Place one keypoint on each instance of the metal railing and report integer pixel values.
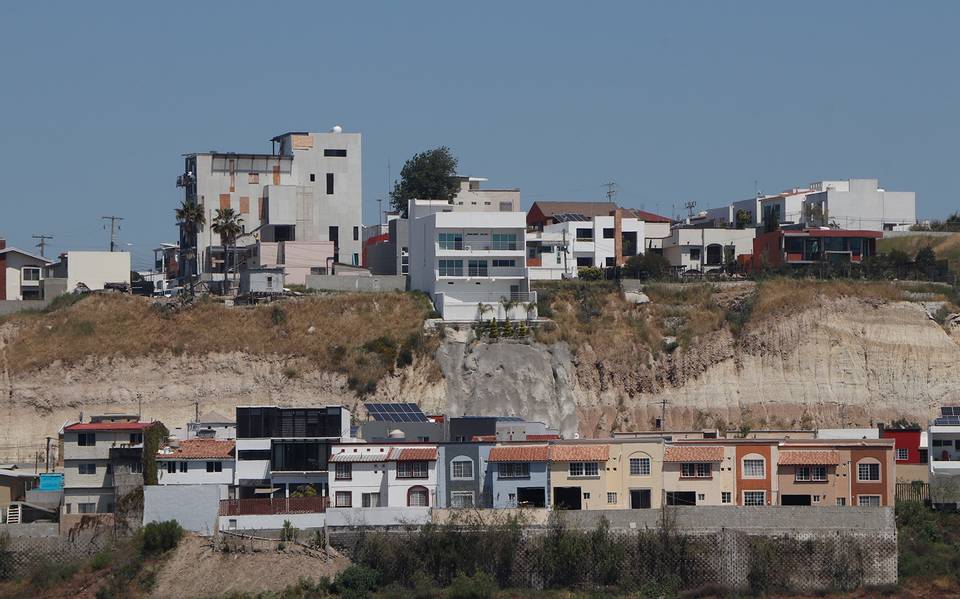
(272, 506)
(474, 297)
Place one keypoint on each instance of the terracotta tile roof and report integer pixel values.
(809, 458)
(549, 437)
(692, 453)
(643, 215)
(579, 453)
(587, 209)
(107, 426)
(519, 453)
(198, 449)
(414, 454)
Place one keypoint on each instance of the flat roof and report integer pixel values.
(107, 426)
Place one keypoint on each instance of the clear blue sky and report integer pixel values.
(673, 101)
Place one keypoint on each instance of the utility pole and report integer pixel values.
(43, 243)
(611, 190)
(663, 413)
(114, 227)
(379, 212)
(690, 206)
(139, 407)
(48, 453)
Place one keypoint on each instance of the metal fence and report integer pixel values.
(273, 506)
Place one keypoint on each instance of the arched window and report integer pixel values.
(418, 497)
(461, 468)
(754, 466)
(714, 254)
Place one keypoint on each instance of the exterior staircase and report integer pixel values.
(14, 513)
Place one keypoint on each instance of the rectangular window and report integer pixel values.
(253, 454)
(313, 177)
(584, 261)
(331, 153)
(370, 499)
(87, 468)
(343, 499)
(818, 473)
(903, 455)
(586, 495)
(136, 438)
(86, 439)
(30, 274)
(450, 241)
(462, 469)
(356, 259)
(816, 499)
(608, 262)
(450, 268)
(461, 499)
(868, 472)
(253, 178)
(477, 268)
(639, 466)
(86, 508)
(514, 470)
(695, 470)
(214, 466)
(503, 241)
(506, 206)
(412, 470)
(183, 466)
(584, 234)
(329, 184)
(171, 467)
(868, 500)
(841, 501)
(753, 469)
(802, 474)
(504, 263)
(725, 497)
(584, 469)
(356, 233)
(695, 254)
(344, 471)
(754, 498)
(923, 456)
(608, 233)
(611, 498)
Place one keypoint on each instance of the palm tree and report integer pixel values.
(190, 218)
(226, 224)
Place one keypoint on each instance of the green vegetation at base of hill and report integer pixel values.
(928, 543)
(364, 336)
(946, 247)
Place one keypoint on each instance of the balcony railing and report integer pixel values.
(475, 297)
(273, 506)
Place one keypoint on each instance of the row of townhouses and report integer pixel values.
(274, 461)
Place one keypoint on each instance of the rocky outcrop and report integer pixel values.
(843, 361)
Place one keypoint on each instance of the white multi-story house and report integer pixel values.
(282, 451)
(307, 189)
(102, 461)
(471, 263)
(393, 475)
(706, 249)
(197, 462)
(559, 250)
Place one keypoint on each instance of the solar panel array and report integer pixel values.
(949, 416)
(395, 412)
(564, 217)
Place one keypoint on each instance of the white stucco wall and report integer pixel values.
(15, 282)
(94, 269)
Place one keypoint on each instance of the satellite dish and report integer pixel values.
(337, 129)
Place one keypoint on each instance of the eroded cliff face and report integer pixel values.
(843, 361)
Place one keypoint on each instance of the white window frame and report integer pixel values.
(419, 489)
(749, 466)
(584, 469)
(841, 501)
(726, 497)
(870, 501)
(753, 494)
(339, 496)
(26, 269)
(455, 495)
(513, 470)
(696, 470)
(903, 457)
(413, 469)
(343, 471)
(366, 499)
(869, 466)
(460, 461)
(82, 467)
(642, 466)
(611, 498)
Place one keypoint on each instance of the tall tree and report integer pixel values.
(429, 175)
(226, 224)
(190, 218)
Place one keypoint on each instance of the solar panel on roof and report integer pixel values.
(395, 412)
(950, 410)
(564, 217)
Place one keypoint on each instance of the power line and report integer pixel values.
(611, 190)
(114, 227)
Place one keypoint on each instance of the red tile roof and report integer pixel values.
(692, 453)
(579, 453)
(414, 454)
(519, 453)
(198, 449)
(809, 458)
(550, 437)
(649, 217)
(107, 426)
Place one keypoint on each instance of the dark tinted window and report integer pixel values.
(253, 454)
(335, 153)
(254, 423)
(607, 233)
(299, 456)
(329, 183)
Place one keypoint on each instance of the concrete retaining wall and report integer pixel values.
(270, 525)
(12, 306)
(378, 516)
(195, 507)
(376, 283)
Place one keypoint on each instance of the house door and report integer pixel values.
(795, 500)
(566, 498)
(639, 499)
(514, 292)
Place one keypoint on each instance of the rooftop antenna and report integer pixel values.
(611, 190)
(756, 189)
(43, 243)
(690, 206)
(379, 212)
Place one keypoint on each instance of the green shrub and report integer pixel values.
(101, 560)
(159, 537)
(278, 316)
(479, 586)
(52, 573)
(590, 273)
(356, 582)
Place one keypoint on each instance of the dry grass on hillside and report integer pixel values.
(363, 335)
(775, 297)
(947, 247)
(687, 311)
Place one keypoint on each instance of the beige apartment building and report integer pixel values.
(606, 475)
